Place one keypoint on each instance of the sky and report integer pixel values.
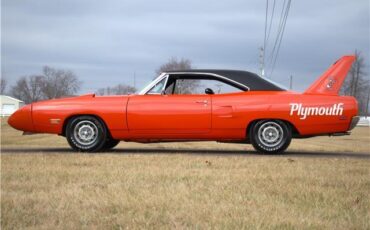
(108, 42)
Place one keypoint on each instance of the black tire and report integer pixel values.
(86, 134)
(270, 136)
(110, 144)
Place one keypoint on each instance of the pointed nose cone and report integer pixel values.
(22, 119)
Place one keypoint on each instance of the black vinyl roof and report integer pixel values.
(251, 80)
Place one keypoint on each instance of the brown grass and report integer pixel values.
(117, 191)
(357, 142)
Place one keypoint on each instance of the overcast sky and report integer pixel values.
(106, 42)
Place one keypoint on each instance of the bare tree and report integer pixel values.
(104, 91)
(174, 64)
(124, 89)
(59, 83)
(3, 85)
(29, 89)
(357, 83)
(54, 83)
(119, 89)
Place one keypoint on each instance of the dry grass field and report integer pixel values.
(188, 185)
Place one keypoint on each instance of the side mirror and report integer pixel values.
(209, 91)
(163, 92)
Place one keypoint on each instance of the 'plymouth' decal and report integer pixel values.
(304, 112)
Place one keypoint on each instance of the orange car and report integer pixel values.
(199, 105)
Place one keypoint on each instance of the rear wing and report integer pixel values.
(331, 81)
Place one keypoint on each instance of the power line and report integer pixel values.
(281, 35)
(278, 31)
(135, 79)
(271, 19)
(262, 55)
(281, 38)
(262, 61)
(267, 9)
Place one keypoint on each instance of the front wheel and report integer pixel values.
(270, 136)
(86, 134)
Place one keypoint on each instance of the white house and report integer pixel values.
(9, 105)
(364, 121)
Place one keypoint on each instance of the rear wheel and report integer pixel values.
(86, 134)
(270, 136)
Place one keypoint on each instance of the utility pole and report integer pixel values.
(262, 61)
(367, 104)
(135, 80)
(291, 82)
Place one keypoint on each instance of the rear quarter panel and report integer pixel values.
(316, 124)
(237, 111)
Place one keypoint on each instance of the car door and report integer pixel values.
(169, 114)
(163, 110)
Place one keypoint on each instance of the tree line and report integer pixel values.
(51, 83)
(56, 83)
(357, 84)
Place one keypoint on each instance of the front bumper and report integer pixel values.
(22, 119)
(354, 122)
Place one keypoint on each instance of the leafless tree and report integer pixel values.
(357, 83)
(3, 85)
(174, 64)
(120, 89)
(59, 83)
(53, 83)
(29, 89)
(186, 87)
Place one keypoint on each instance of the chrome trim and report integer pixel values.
(202, 102)
(163, 87)
(354, 122)
(28, 133)
(214, 75)
(151, 84)
(166, 74)
(85, 132)
(54, 121)
(270, 134)
(165, 84)
(340, 134)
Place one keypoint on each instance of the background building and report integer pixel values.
(8, 105)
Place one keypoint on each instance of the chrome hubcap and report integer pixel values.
(85, 132)
(270, 134)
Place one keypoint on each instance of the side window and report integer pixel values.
(198, 86)
(157, 89)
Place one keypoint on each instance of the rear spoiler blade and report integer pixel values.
(331, 81)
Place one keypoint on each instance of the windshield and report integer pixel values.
(158, 87)
(151, 84)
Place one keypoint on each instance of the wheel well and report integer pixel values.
(294, 129)
(79, 115)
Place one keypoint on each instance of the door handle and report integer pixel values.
(205, 102)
